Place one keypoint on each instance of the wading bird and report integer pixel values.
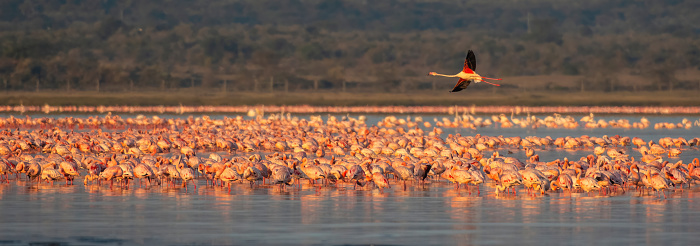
(467, 75)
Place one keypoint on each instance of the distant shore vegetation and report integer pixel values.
(355, 46)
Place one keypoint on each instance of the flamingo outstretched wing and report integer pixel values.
(469, 62)
(461, 84)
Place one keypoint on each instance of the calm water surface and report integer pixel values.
(435, 215)
(438, 214)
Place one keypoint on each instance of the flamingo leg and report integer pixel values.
(490, 82)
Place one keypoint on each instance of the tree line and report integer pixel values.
(295, 45)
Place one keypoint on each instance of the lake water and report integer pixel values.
(437, 214)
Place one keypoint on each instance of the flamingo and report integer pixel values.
(379, 180)
(565, 182)
(422, 172)
(404, 173)
(94, 169)
(281, 175)
(673, 174)
(336, 173)
(478, 177)
(657, 182)
(586, 183)
(252, 174)
(228, 175)
(187, 174)
(461, 176)
(68, 170)
(531, 178)
(5, 169)
(34, 170)
(111, 173)
(634, 177)
(170, 172)
(127, 173)
(693, 171)
(467, 75)
(21, 167)
(313, 172)
(50, 174)
(355, 173)
(142, 171)
(508, 179)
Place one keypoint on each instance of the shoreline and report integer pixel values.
(182, 101)
(253, 110)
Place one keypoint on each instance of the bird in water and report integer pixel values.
(467, 75)
(422, 173)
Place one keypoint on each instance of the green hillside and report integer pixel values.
(357, 46)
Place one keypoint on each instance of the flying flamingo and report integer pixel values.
(467, 75)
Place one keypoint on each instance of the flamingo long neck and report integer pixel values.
(445, 75)
(578, 175)
(691, 166)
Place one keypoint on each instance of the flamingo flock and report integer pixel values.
(282, 152)
(556, 121)
(308, 109)
(469, 121)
